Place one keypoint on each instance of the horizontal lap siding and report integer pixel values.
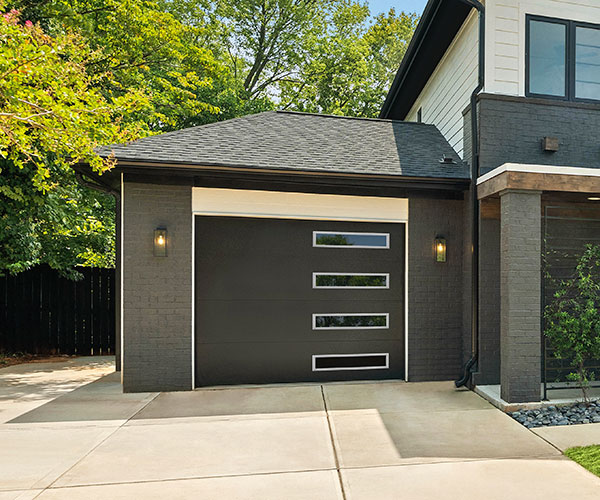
(505, 27)
(449, 89)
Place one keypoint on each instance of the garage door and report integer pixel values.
(281, 300)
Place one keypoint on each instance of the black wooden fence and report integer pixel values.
(44, 313)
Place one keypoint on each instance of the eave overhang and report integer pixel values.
(277, 179)
(440, 23)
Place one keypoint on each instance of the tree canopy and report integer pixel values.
(77, 74)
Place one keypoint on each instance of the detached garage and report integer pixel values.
(289, 247)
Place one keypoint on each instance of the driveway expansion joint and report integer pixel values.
(335, 454)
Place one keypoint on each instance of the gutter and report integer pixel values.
(471, 364)
(98, 186)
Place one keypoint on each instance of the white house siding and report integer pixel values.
(505, 32)
(448, 91)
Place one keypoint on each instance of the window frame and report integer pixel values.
(329, 328)
(323, 273)
(570, 57)
(384, 355)
(353, 233)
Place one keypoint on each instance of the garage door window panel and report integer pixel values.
(352, 321)
(333, 239)
(354, 280)
(339, 362)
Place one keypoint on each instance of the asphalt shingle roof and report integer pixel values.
(300, 141)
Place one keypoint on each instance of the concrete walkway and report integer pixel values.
(335, 441)
(569, 436)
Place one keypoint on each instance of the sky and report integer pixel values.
(377, 6)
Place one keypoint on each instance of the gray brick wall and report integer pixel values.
(435, 299)
(520, 282)
(157, 291)
(512, 130)
(489, 303)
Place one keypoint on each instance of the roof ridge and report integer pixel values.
(324, 115)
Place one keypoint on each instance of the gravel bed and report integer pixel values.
(578, 413)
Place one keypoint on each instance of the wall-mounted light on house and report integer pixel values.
(550, 144)
(594, 198)
(440, 249)
(160, 242)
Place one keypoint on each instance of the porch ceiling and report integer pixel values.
(538, 178)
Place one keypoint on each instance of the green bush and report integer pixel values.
(573, 318)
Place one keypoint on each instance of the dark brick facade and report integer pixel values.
(520, 288)
(512, 129)
(157, 291)
(489, 302)
(435, 298)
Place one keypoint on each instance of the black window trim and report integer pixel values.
(570, 57)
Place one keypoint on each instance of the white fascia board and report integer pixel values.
(539, 169)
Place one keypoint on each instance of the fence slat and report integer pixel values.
(42, 312)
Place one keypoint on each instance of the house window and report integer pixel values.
(563, 59)
(587, 62)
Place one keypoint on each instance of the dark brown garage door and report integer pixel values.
(293, 300)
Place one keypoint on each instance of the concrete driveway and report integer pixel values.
(380, 441)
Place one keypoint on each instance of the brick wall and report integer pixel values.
(520, 285)
(157, 291)
(489, 303)
(435, 299)
(512, 130)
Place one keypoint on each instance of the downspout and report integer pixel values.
(471, 364)
(117, 196)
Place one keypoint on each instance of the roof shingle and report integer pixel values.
(279, 140)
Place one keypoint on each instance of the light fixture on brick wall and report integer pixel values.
(440, 249)
(160, 242)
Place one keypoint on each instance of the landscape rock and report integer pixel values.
(574, 414)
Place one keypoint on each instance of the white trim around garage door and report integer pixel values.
(280, 205)
(302, 206)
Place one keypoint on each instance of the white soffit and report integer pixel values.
(281, 205)
(539, 169)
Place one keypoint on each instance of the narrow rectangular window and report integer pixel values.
(587, 63)
(333, 239)
(339, 362)
(547, 58)
(351, 321)
(351, 280)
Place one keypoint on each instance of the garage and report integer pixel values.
(289, 247)
(287, 300)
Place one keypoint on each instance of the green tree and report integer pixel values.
(351, 64)
(573, 317)
(141, 47)
(50, 117)
(83, 73)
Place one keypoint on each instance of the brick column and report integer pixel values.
(157, 291)
(520, 290)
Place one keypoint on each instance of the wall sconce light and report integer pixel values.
(160, 242)
(440, 249)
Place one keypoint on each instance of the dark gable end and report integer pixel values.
(290, 141)
(440, 23)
